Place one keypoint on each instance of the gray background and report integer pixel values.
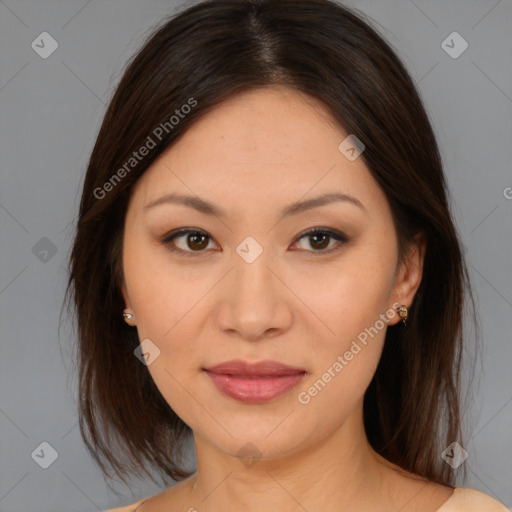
(51, 110)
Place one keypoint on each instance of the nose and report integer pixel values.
(254, 301)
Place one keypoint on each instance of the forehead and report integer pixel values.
(269, 145)
(271, 124)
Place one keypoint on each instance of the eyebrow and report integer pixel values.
(210, 209)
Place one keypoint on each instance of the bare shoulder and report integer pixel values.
(168, 499)
(422, 495)
(471, 500)
(128, 508)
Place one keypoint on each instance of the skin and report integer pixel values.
(252, 156)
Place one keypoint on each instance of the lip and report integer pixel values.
(254, 383)
(259, 369)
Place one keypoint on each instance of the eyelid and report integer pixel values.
(338, 236)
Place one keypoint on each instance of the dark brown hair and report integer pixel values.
(202, 56)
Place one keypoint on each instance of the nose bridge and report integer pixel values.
(251, 306)
(253, 279)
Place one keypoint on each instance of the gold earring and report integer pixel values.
(403, 311)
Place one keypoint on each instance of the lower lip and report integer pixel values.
(254, 390)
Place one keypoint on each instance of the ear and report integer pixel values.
(408, 276)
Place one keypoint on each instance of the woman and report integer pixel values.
(265, 260)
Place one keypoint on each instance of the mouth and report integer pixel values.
(254, 383)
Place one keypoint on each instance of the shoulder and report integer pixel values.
(470, 500)
(160, 500)
(128, 508)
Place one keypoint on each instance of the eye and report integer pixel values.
(319, 239)
(195, 241)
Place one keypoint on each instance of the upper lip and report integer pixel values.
(261, 368)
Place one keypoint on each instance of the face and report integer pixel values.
(249, 283)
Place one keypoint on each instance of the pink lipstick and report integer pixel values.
(254, 383)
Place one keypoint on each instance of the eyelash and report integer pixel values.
(341, 238)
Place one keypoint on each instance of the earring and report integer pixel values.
(127, 315)
(403, 311)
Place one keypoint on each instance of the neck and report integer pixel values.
(338, 471)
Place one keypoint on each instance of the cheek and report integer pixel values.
(349, 339)
(164, 301)
(347, 353)
(350, 296)
(160, 296)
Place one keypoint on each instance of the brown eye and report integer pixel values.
(319, 239)
(192, 241)
(196, 241)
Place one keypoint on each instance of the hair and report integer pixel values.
(200, 57)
